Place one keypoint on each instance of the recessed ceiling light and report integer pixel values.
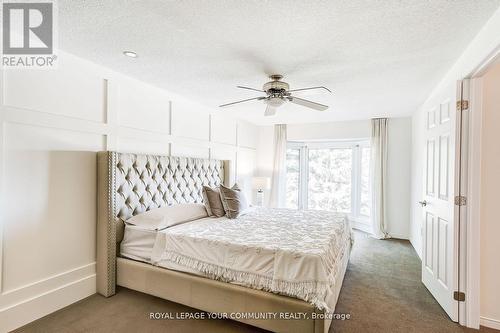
(130, 54)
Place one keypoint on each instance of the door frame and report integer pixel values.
(469, 258)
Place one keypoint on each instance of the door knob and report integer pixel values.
(423, 203)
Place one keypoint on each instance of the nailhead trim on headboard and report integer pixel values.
(111, 224)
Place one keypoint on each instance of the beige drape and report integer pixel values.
(379, 176)
(278, 188)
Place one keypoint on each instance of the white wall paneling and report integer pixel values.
(144, 146)
(45, 218)
(144, 107)
(51, 124)
(223, 152)
(178, 149)
(189, 122)
(2, 177)
(247, 135)
(245, 166)
(222, 129)
(112, 109)
(44, 214)
(64, 91)
(2, 202)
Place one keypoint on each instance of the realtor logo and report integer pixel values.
(27, 28)
(28, 34)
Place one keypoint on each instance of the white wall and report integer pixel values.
(51, 124)
(482, 47)
(417, 163)
(341, 130)
(398, 164)
(398, 183)
(490, 183)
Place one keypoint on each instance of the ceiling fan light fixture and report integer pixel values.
(275, 101)
(277, 93)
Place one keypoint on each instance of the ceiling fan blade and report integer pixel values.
(270, 111)
(308, 104)
(311, 88)
(245, 100)
(248, 88)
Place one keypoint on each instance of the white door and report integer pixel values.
(439, 259)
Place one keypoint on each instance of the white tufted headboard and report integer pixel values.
(129, 184)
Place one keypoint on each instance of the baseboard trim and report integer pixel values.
(491, 323)
(361, 226)
(399, 236)
(14, 295)
(412, 242)
(41, 305)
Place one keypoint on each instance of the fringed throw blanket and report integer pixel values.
(290, 252)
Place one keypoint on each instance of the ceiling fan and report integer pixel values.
(277, 93)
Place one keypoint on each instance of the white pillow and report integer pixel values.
(164, 217)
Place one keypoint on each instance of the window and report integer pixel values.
(331, 176)
(329, 179)
(292, 177)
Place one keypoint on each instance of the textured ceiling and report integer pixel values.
(380, 58)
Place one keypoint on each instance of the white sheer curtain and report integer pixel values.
(277, 198)
(379, 177)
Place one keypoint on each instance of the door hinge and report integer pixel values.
(462, 105)
(459, 296)
(460, 200)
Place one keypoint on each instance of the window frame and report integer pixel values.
(356, 171)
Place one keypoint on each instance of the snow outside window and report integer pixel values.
(332, 176)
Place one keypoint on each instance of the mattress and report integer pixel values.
(301, 254)
(138, 244)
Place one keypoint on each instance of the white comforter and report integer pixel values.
(295, 253)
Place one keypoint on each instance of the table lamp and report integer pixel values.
(261, 184)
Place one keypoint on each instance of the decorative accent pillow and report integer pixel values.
(234, 201)
(212, 201)
(164, 217)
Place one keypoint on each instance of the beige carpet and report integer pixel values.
(382, 292)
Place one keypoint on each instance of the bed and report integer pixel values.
(267, 261)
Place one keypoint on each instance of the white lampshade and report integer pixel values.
(261, 183)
